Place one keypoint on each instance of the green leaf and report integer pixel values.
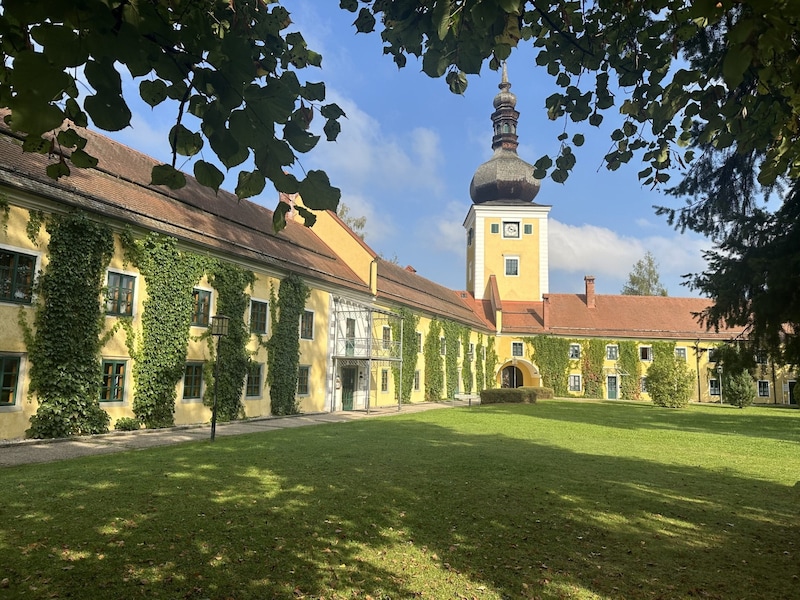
(578, 139)
(153, 92)
(37, 145)
(441, 17)
(365, 22)
(185, 142)
(109, 112)
(300, 139)
(83, 160)
(69, 138)
(251, 183)
(332, 130)
(167, 175)
(313, 92)
(208, 175)
(56, 170)
(331, 111)
(737, 60)
(279, 216)
(349, 5)
(434, 64)
(457, 80)
(309, 218)
(318, 193)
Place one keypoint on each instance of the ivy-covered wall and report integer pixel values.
(410, 350)
(452, 337)
(551, 355)
(434, 363)
(64, 345)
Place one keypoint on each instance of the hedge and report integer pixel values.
(526, 395)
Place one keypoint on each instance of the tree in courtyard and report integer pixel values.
(738, 389)
(644, 280)
(669, 382)
(357, 224)
(709, 86)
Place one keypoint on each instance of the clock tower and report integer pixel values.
(506, 230)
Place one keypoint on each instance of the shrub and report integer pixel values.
(739, 389)
(669, 382)
(127, 424)
(526, 395)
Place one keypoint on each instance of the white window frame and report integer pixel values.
(646, 350)
(37, 266)
(643, 384)
(313, 324)
(713, 387)
(608, 351)
(765, 384)
(681, 353)
(517, 346)
(571, 380)
(384, 381)
(574, 355)
(509, 260)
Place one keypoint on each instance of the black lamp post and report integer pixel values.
(219, 329)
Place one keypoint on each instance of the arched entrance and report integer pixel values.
(511, 377)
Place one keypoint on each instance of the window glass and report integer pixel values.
(516, 348)
(643, 384)
(259, 317)
(612, 352)
(253, 387)
(645, 353)
(528, 229)
(201, 307)
(387, 338)
(9, 377)
(574, 383)
(680, 353)
(113, 387)
(303, 373)
(119, 298)
(307, 325)
(16, 277)
(574, 351)
(384, 380)
(763, 389)
(495, 227)
(713, 387)
(192, 381)
(416, 381)
(512, 267)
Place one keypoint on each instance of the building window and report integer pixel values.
(574, 383)
(512, 266)
(471, 352)
(713, 387)
(307, 325)
(384, 380)
(119, 298)
(201, 307)
(516, 348)
(494, 227)
(763, 389)
(303, 373)
(712, 355)
(574, 351)
(643, 385)
(193, 381)
(387, 337)
(419, 342)
(9, 376)
(680, 353)
(612, 352)
(253, 387)
(761, 357)
(528, 229)
(470, 234)
(16, 277)
(646, 353)
(113, 387)
(511, 229)
(259, 317)
(442, 346)
(416, 381)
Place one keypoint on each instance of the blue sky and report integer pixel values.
(409, 147)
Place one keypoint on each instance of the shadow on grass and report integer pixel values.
(393, 508)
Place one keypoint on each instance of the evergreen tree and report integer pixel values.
(644, 280)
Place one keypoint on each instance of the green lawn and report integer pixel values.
(557, 500)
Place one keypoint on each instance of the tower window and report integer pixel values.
(512, 266)
(494, 228)
(469, 236)
(528, 229)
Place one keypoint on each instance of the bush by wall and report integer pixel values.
(434, 365)
(526, 395)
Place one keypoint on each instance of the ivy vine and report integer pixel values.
(5, 208)
(170, 276)
(452, 336)
(552, 357)
(480, 364)
(466, 363)
(410, 350)
(434, 367)
(631, 368)
(593, 355)
(491, 363)
(36, 219)
(64, 345)
(231, 282)
(283, 347)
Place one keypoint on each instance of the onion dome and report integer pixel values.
(505, 177)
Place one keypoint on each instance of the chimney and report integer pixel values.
(545, 311)
(589, 280)
(411, 269)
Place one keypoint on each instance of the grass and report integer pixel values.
(586, 500)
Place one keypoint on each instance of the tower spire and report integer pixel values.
(505, 116)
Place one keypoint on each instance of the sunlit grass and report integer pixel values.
(588, 500)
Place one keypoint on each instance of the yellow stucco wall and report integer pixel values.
(497, 248)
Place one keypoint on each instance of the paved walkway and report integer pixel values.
(22, 452)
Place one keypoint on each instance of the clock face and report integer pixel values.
(511, 229)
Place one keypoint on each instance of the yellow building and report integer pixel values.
(167, 262)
